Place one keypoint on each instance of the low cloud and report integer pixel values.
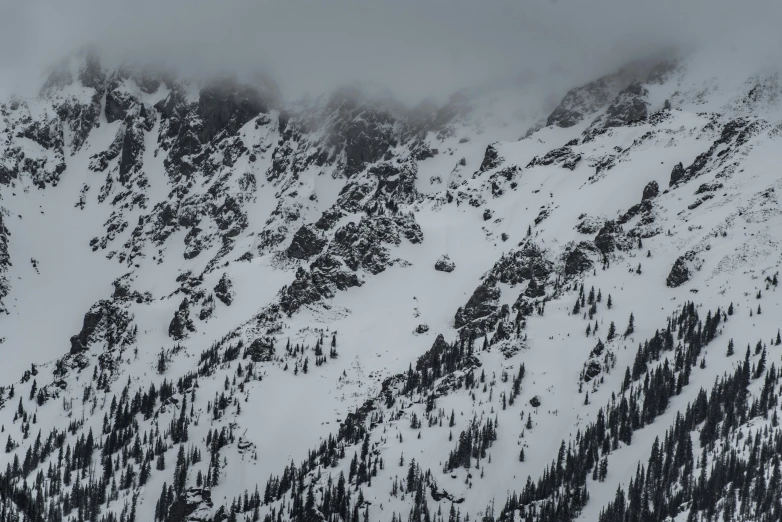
(418, 49)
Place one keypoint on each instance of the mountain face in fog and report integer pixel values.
(225, 300)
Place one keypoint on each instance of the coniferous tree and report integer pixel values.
(630, 325)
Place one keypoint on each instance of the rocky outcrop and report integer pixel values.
(528, 262)
(491, 159)
(579, 102)
(611, 237)
(651, 190)
(679, 274)
(260, 350)
(577, 261)
(194, 505)
(444, 264)
(482, 303)
(181, 325)
(224, 290)
(365, 245)
(734, 136)
(306, 243)
(628, 107)
(326, 275)
(677, 174)
(563, 156)
(5, 261)
(104, 321)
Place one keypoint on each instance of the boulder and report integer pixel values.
(444, 264)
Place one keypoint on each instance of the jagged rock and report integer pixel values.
(444, 264)
(679, 274)
(118, 100)
(5, 261)
(396, 181)
(611, 237)
(439, 346)
(363, 245)
(677, 174)
(709, 187)
(79, 341)
(422, 328)
(735, 134)
(438, 495)
(194, 504)
(589, 224)
(580, 101)
(563, 156)
(131, 153)
(482, 303)
(105, 320)
(491, 159)
(326, 275)
(181, 324)
(224, 290)
(260, 350)
(591, 371)
(629, 107)
(207, 308)
(577, 262)
(526, 263)
(535, 289)
(651, 190)
(306, 243)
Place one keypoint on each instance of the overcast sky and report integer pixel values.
(417, 48)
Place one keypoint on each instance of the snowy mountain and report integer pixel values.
(223, 304)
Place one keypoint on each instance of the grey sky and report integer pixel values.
(417, 48)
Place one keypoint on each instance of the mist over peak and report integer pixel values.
(417, 50)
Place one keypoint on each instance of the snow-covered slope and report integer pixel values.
(222, 304)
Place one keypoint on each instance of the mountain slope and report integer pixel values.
(345, 287)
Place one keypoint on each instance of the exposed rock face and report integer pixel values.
(577, 262)
(521, 265)
(482, 303)
(104, 321)
(194, 505)
(563, 156)
(444, 264)
(734, 136)
(680, 273)
(677, 174)
(224, 290)
(579, 102)
(491, 159)
(363, 245)
(611, 237)
(5, 262)
(118, 100)
(651, 190)
(181, 325)
(629, 106)
(261, 349)
(306, 243)
(535, 289)
(326, 275)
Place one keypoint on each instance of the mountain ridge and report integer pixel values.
(292, 251)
